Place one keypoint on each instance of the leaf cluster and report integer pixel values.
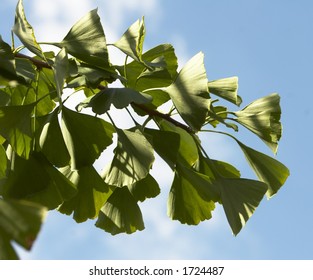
(48, 150)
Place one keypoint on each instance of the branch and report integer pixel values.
(153, 113)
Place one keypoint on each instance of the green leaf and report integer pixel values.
(268, 170)
(86, 41)
(188, 149)
(191, 198)
(132, 40)
(133, 158)
(25, 69)
(21, 221)
(145, 188)
(189, 92)
(85, 137)
(15, 126)
(4, 98)
(119, 97)
(226, 88)
(60, 70)
(24, 31)
(37, 180)
(3, 162)
(7, 251)
(51, 140)
(120, 213)
(240, 198)
(92, 193)
(262, 117)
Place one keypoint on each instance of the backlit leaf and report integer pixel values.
(133, 158)
(60, 69)
(145, 188)
(189, 92)
(3, 162)
(120, 213)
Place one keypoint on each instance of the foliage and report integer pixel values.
(48, 149)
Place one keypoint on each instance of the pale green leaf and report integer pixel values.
(191, 197)
(3, 162)
(131, 42)
(21, 221)
(60, 69)
(268, 170)
(262, 117)
(189, 92)
(24, 31)
(145, 188)
(86, 41)
(120, 214)
(240, 198)
(226, 88)
(85, 137)
(92, 193)
(15, 126)
(119, 97)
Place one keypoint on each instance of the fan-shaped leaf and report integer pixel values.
(120, 213)
(145, 188)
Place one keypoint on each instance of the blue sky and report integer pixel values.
(269, 46)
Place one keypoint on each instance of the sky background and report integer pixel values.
(269, 46)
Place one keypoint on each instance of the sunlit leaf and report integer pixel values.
(268, 169)
(262, 117)
(133, 158)
(145, 188)
(119, 97)
(189, 92)
(120, 213)
(240, 198)
(226, 88)
(21, 221)
(60, 69)
(191, 198)
(15, 126)
(92, 193)
(86, 41)
(24, 31)
(3, 162)
(131, 42)
(85, 137)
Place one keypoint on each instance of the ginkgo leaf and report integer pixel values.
(60, 69)
(131, 42)
(7, 251)
(86, 41)
(145, 188)
(268, 169)
(226, 88)
(119, 97)
(85, 137)
(191, 198)
(240, 197)
(262, 117)
(120, 213)
(24, 31)
(92, 193)
(21, 221)
(15, 126)
(3, 162)
(189, 92)
(133, 158)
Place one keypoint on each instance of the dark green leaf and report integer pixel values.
(145, 188)
(86, 41)
(240, 198)
(85, 137)
(3, 162)
(131, 42)
(7, 251)
(262, 117)
(268, 170)
(21, 221)
(24, 31)
(15, 126)
(92, 193)
(4, 98)
(120, 213)
(189, 92)
(191, 197)
(133, 158)
(25, 69)
(119, 97)
(226, 88)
